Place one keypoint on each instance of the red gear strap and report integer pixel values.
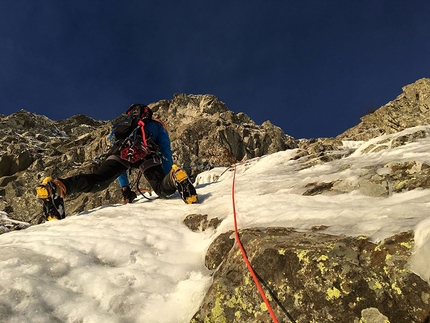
(142, 126)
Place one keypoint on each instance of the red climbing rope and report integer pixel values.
(248, 264)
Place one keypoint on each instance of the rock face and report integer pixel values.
(409, 109)
(314, 277)
(321, 150)
(34, 147)
(203, 133)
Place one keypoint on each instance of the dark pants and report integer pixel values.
(110, 170)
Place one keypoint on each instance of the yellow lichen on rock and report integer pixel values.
(333, 293)
(396, 288)
(303, 255)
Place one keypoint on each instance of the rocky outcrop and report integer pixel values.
(321, 150)
(34, 146)
(203, 132)
(7, 225)
(380, 179)
(314, 277)
(409, 109)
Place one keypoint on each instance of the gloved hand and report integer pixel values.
(128, 194)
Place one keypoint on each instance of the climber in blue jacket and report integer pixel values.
(140, 142)
(161, 137)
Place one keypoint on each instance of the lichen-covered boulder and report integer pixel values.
(315, 277)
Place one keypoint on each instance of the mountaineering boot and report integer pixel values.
(183, 184)
(52, 193)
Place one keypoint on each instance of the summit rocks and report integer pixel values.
(409, 109)
(204, 132)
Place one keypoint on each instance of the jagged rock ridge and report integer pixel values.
(409, 109)
(204, 132)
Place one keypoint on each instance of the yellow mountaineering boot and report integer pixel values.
(52, 193)
(183, 184)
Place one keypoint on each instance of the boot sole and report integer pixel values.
(44, 192)
(187, 191)
(181, 177)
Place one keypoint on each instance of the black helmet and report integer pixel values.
(142, 111)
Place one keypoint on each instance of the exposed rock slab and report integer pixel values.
(315, 277)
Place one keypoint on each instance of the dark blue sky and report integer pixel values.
(311, 67)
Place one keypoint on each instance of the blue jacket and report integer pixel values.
(161, 138)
